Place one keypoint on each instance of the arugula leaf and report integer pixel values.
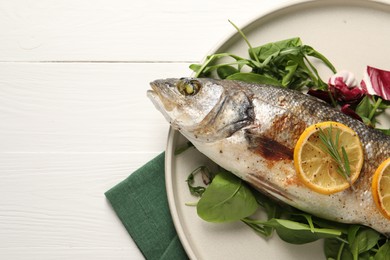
(226, 199)
(310, 51)
(295, 232)
(298, 233)
(207, 176)
(385, 131)
(291, 68)
(272, 210)
(282, 63)
(369, 107)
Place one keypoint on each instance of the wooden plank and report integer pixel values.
(66, 253)
(118, 30)
(87, 107)
(54, 205)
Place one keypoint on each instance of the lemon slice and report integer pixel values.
(316, 167)
(381, 187)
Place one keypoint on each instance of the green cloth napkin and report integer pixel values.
(140, 201)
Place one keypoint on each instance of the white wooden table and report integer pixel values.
(74, 117)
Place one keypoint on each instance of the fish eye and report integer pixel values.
(188, 87)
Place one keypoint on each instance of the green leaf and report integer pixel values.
(291, 69)
(367, 121)
(368, 110)
(346, 254)
(310, 51)
(207, 66)
(195, 67)
(365, 240)
(272, 210)
(273, 48)
(198, 190)
(385, 131)
(297, 233)
(352, 231)
(336, 249)
(226, 199)
(226, 71)
(254, 78)
(364, 107)
(331, 248)
(383, 252)
(384, 104)
(262, 230)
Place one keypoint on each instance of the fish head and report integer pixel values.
(185, 102)
(202, 109)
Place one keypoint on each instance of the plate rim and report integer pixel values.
(173, 134)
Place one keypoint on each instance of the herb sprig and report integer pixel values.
(331, 145)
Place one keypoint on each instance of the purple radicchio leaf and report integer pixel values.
(344, 88)
(346, 109)
(377, 82)
(320, 94)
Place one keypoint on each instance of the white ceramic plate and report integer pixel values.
(351, 34)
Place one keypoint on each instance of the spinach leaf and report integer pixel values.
(225, 71)
(226, 199)
(383, 252)
(336, 249)
(254, 78)
(272, 49)
(332, 247)
(364, 240)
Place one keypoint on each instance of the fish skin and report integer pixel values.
(251, 130)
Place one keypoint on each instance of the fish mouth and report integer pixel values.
(155, 98)
(161, 101)
(163, 94)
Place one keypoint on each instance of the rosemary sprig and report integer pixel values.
(331, 146)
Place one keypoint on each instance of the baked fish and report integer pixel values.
(251, 130)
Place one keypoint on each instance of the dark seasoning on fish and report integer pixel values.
(232, 121)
